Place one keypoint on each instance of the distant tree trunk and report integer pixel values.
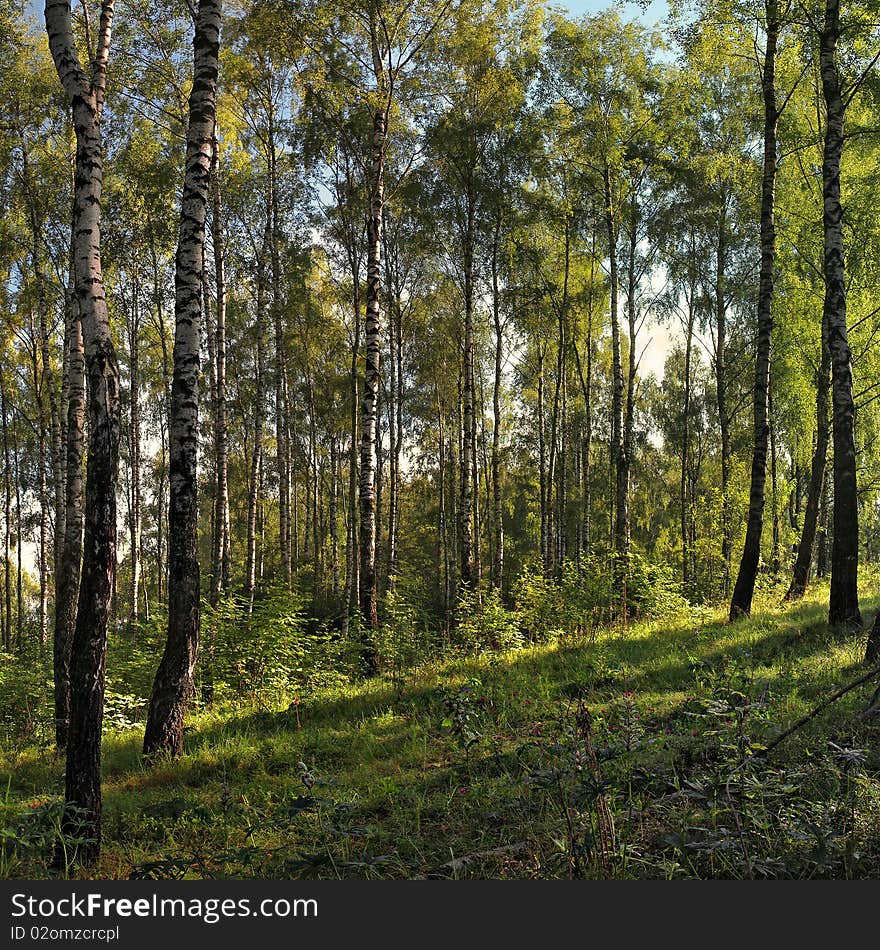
(7, 522)
(618, 465)
(43, 539)
(443, 540)
(822, 532)
(19, 574)
(497, 505)
(843, 606)
(475, 486)
(774, 484)
(67, 583)
(281, 440)
(220, 559)
(468, 447)
(174, 678)
(380, 477)
(250, 571)
(804, 558)
(455, 478)
(82, 816)
(552, 463)
(50, 397)
(394, 319)
(586, 379)
(312, 480)
(352, 553)
(334, 514)
(134, 455)
(397, 448)
(164, 422)
(559, 426)
(542, 467)
(741, 603)
(721, 390)
(627, 440)
(684, 504)
(367, 591)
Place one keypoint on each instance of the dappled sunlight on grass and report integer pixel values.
(398, 777)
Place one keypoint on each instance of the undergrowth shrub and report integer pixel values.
(405, 638)
(581, 600)
(483, 623)
(276, 651)
(26, 712)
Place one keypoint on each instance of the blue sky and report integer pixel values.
(655, 11)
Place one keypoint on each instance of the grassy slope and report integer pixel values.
(374, 784)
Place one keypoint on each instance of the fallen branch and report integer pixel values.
(764, 752)
(761, 753)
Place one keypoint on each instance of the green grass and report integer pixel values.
(479, 767)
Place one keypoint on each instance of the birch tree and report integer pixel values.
(85, 86)
(173, 684)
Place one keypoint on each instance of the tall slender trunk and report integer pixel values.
(281, 433)
(618, 467)
(455, 479)
(164, 421)
(684, 502)
(822, 530)
(250, 571)
(560, 412)
(397, 448)
(442, 538)
(497, 506)
(312, 480)
(220, 559)
(134, 456)
(380, 478)
(352, 554)
(774, 484)
(50, 397)
(475, 486)
(394, 318)
(173, 685)
(625, 463)
(804, 557)
(7, 522)
(19, 524)
(89, 646)
(741, 602)
(333, 514)
(467, 487)
(843, 605)
(721, 390)
(586, 379)
(542, 468)
(552, 452)
(367, 589)
(43, 538)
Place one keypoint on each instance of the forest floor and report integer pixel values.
(482, 767)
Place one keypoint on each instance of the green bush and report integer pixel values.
(404, 639)
(582, 600)
(26, 699)
(482, 623)
(275, 652)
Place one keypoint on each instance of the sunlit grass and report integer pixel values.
(372, 781)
